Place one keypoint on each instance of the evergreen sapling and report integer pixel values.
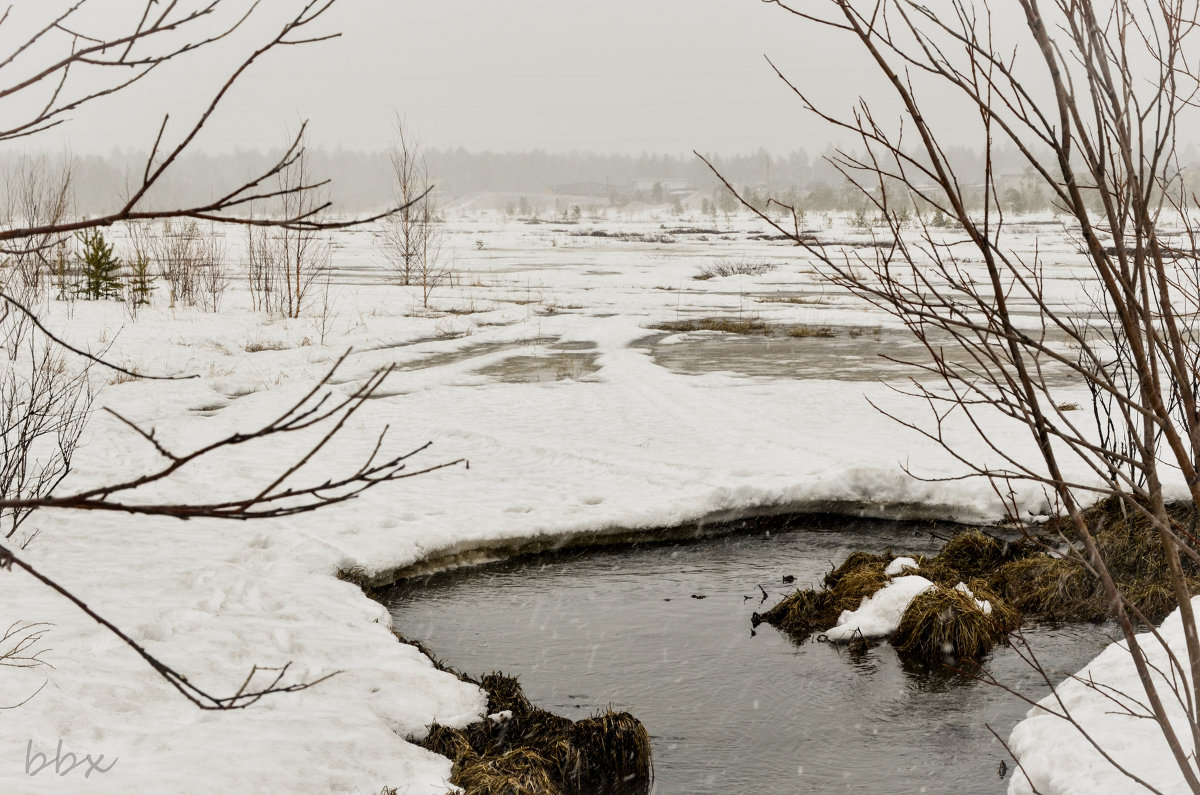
(100, 271)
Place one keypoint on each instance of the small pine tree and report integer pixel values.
(100, 271)
(140, 282)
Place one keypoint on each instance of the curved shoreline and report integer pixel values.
(712, 525)
(457, 745)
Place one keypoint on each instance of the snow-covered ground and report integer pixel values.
(536, 365)
(1107, 700)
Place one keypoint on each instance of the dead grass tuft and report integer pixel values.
(802, 613)
(1064, 588)
(356, 575)
(1055, 589)
(823, 332)
(947, 625)
(537, 752)
(505, 693)
(606, 753)
(254, 346)
(732, 267)
(517, 772)
(729, 325)
(794, 299)
(972, 555)
(1017, 578)
(744, 325)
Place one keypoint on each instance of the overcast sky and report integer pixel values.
(629, 76)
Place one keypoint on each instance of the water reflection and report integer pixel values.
(728, 712)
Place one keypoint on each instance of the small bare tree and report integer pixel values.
(214, 271)
(284, 261)
(21, 647)
(433, 267)
(411, 239)
(1092, 98)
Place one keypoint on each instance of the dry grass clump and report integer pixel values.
(972, 555)
(821, 332)
(254, 346)
(537, 753)
(802, 613)
(606, 753)
(505, 693)
(859, 576)
(745, 325)
(947, 625)
(1016, 577)
(937, 620)
(794, 299)
(729, 325)
(519, 772)
(732, 267)
(1055, 589)
(634, 237)
(1063, 588)
(452, 743)
(357, 575)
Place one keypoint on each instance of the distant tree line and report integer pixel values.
(366, 179)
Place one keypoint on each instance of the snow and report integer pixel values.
(984, 605)
(900, 565)
(539, 367)
(879, 614)
(1058, 758)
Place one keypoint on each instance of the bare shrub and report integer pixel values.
(21, 646)
(433, 268)
(44, 406)
(412, 240)
(176, 251)
(264, 268)
(214, 272)
(190, 258)
(139, 278)
(402, 235)
(325, 314)
(39, 196)
(284, 261)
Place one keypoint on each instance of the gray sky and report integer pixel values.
(606, 75)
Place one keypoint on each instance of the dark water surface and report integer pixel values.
(729, 712)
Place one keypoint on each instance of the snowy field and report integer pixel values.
(538, 364)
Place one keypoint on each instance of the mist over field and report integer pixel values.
(754, 388)
(550, 182)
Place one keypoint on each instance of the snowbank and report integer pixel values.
(553, 453)
(1058, 759)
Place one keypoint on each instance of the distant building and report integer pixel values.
(670, 187)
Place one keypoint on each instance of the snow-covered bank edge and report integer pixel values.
(1055, 757)
(570, 459)
(712, 525)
